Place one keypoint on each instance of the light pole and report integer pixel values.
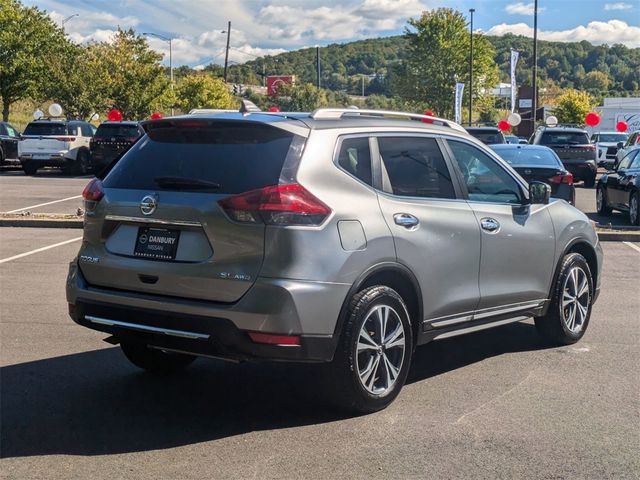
(534, 103)
(69, 18)
(166, 39)
(226, 55)
(471, 10)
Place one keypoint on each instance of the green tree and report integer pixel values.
(30, 43)
(438, 56)
(301, 98)
(127, 73)
(596, 81)
(572, 107)
(202, 90)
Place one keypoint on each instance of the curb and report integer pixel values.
(41, 223)
(619, 236)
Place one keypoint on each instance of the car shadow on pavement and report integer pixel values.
(96, 403)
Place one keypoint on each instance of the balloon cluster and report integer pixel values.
(592, 119)
(428, 113)
(114, 115)
(622, 126)
(513, 120)
(156, 116)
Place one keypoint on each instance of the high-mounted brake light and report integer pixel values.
(93, 192)
(281, 205)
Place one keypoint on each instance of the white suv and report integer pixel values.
(56, 143)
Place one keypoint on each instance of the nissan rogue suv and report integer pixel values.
(341, 236)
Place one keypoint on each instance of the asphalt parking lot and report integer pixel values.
(495, 404)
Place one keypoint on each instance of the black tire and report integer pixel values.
(601, 205)
(634, 209)
(81, 165)
(344, 382)
(29, 169)
(590, 182)
(154, 360)
(554, 325)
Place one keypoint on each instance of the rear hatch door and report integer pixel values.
(159, 228)
(40, 139)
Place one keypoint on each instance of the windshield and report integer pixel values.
(564, 138)
(236, 156)
(612, 137)
(115, 130)
(488, 136)
(47, 128)
(529, 156)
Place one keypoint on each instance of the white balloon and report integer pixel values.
(552, 121)
(55, 110)
(38, 114)
(95, 117)
(514, 119)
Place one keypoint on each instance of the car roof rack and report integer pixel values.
(338, 113)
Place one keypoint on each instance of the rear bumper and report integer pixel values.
(51, 160)
(309, 310)
(581, 170)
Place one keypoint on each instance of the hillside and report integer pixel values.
(566, 65)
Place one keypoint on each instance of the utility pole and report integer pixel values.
(471, 10)
(318, 65)
(534, 81)
(226, 55)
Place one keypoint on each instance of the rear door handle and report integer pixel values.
(490, 225)
(405, 220)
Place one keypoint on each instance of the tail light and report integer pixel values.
(277, 205)
(66, 139)
(558, 179)
(280, 340)
(591, 148)
(93, 192)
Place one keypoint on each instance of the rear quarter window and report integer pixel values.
(239, 156)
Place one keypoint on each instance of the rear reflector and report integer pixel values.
(568, 179)
(282, 340)
(277, 205)
(93, 192)
(66, 139)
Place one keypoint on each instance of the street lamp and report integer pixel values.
(69, 18)
(471, 10)
(226, 54)
(166, 39)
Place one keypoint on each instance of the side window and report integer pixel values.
(626, 161)
(415, 167)
(11, 131)
(486, 180)
(86, 129)
(636, 162)
(73, 129)
(355, 158)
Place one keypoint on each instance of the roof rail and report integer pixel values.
(338, 113)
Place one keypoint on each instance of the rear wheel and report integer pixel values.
(568, 315)
(590, 182)
(29, 169)
(601, 202)
(81, 165)
(374, 353)
(153, 360)
(634, 215)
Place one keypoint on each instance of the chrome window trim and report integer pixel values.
(155, 221)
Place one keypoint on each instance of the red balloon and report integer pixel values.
(592, 119)
(273, 109)
(156, 116)
(503, 125)
(114, 115)
(429, 113)
(622, 126)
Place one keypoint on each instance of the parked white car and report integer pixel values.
(56, 143)
(607, 147)
(632, 142)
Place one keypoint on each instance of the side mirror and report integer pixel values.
(620, 144)
(539, 193)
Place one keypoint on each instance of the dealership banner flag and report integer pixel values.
(514, 61)
(458, 102)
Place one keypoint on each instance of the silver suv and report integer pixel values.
(342, 236)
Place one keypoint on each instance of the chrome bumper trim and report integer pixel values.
(147, 328)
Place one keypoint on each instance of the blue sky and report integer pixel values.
(262, 27)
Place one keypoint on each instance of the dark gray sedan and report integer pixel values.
(535, 162)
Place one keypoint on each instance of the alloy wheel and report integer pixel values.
(380, 350)
(576, 299)
(599, 199)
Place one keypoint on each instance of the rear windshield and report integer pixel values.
(529, 156)
(564, 138)
(46, 129)
(114, 130)
(488, 136)
(237, 156)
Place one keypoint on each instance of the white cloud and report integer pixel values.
(618, 6)
(522, 8)
(613, 31)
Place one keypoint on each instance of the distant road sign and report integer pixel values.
(274, 81)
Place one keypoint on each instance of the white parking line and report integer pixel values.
(43, 204)
(635, 247)
(38, 250)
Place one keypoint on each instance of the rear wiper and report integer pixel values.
(184, 182)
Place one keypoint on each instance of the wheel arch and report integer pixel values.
(393, 275)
